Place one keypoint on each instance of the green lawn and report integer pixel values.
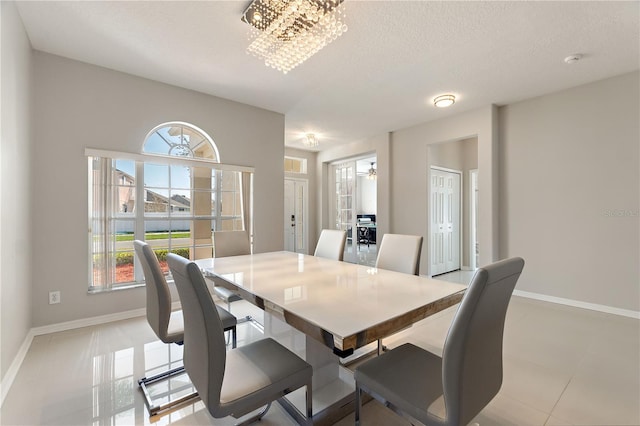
(154, 236)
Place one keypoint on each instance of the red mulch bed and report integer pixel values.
(124, 273)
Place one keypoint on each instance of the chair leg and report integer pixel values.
(255, 418)
(240, 320)
(381, 348)
(309, 393)
(234, 338)
(358, 404)
(156, 408)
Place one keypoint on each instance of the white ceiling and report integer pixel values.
(378, 77)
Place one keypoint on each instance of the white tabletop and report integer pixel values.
(355, 304)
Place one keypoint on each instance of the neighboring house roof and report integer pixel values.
(177, 200)
(181, 200)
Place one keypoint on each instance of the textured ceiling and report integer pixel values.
(378, 77)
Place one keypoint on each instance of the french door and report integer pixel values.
(445, 221)
(344, 202)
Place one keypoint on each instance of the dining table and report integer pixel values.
(324, 310)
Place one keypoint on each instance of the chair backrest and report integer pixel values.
(331, 244)
(204, 345)
(158, 294)
(472, 356)
(400, 253)
(231, 243)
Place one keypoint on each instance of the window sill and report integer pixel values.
(128, 286)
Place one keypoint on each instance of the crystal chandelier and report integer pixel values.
(311, 141)
(285, 33)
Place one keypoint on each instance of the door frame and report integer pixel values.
(473, 231)
(429, 214)
(305, 207)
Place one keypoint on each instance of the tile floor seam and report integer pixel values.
(560, 397)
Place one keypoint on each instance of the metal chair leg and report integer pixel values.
(255, 418)
(381, 348)
(234, 338)
(309, 393)
(358, 404)
(156, 408)
(233, 335)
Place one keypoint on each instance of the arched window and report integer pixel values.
(174, 195)
(181, 140)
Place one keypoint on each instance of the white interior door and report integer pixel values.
(295, 212)
(445, 221)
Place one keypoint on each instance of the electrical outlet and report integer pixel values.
(54, 297)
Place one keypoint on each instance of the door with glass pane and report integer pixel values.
(345, 204)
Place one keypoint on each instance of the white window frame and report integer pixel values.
(139, 216)
(301, 161)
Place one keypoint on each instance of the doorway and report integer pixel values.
(354, 207)
(445, 220)
(296, 200)
(459, 156)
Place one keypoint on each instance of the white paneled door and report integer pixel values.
(445, 221)
(295, 222)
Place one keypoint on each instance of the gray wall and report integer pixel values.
(80, 105)
(569, 187)
(409, 179)
(15, 205)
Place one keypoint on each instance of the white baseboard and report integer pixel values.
(87, 322)
(12, 372)
(579, 304)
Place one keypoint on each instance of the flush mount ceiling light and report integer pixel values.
(285, 33)
(444, 101)
(310, 140)
(572, 59)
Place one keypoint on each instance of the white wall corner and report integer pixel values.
(12, 372)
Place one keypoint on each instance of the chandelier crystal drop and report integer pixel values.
(285, 33)
(310, 140)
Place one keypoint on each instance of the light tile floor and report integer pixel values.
(361, 253)
(562, 366)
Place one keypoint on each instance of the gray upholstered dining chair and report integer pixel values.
(449, 390)
(400, 253)
(331, 244)
(239, 381)
(230, 243)
(167, 325)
